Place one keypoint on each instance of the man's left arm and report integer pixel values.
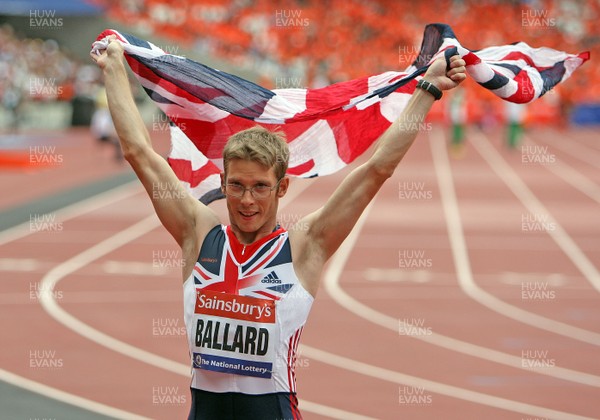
(329, 226)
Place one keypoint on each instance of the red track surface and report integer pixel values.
(133, 292)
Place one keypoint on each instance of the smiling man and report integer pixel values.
(249, 285)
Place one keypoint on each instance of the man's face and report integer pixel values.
(248, 213)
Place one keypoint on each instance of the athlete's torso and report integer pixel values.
(244, 312)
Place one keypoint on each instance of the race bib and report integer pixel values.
(234, 334)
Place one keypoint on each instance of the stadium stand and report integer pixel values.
(322, 42)
(306, 43)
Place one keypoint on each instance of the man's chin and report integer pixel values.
(248, 225)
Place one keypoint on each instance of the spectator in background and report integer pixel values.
(11, 65)
(102, 126)
(457, 111)
(514, 116)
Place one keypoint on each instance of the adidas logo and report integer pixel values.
(271, 278)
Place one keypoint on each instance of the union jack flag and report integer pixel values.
(326, 128)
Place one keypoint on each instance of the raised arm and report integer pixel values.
(331, 224)
(186, 219)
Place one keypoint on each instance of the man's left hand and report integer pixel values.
(445, 80)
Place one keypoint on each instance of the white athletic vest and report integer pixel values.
(244, 312)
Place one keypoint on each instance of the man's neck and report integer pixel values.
(248, 238)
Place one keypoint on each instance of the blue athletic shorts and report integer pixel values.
(237, 406)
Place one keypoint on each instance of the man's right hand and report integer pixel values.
(113, 52)
(184, 217)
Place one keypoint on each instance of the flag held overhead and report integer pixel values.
(326, 128)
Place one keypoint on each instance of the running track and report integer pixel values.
(469, 290)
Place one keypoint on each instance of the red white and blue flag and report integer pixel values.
(326, 128)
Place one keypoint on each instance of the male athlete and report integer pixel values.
(249, 286)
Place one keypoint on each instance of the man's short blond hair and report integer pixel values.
(260, 145)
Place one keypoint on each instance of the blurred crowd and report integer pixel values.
(350, 38)
(313, 43)
(33, 69)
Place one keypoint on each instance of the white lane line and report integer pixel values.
(332, 286)
(149, 223)
(130, 268)
(331, 282)
(507, 174)
(20, 264)
(436, 387)
(66, 397)
(577, 150)
(81, 260)
(575, 178)
(459, 248)
(136, 268)
(339, 295)
(76, 209)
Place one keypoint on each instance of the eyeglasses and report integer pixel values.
(259, 191)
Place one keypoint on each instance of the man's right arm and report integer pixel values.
(186, 219)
